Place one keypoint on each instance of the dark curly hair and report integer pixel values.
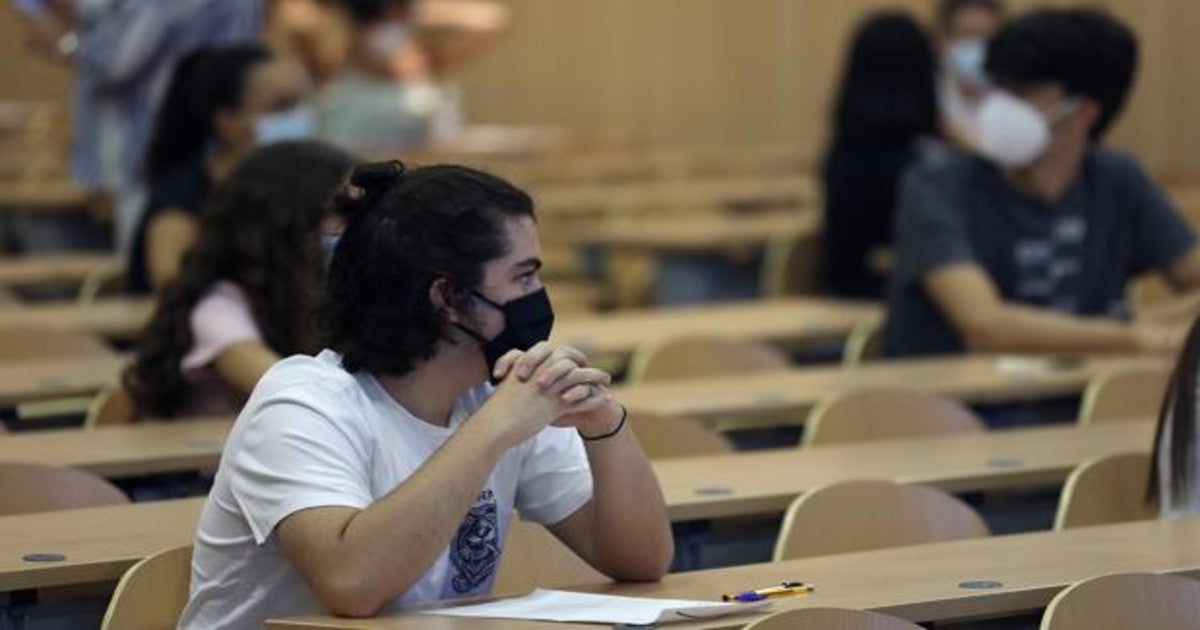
(1086, 51)
(404, 229)
(259, 232)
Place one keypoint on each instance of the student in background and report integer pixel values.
(384, 470)
(123, 54)
(245, 294)
(885, 109)
(394, 92)
(1029, 246)
(964, 28)
(1175, 467)
(222, 103)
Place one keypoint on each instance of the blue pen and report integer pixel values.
(787, 588)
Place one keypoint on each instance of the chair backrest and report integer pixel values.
(26, 488)
(152, 593)
(1108, 489)
(1134, 394)
(869, 514)
(790, 266)
(831, 619)
(696, 356)
(886, 413)
(26, 344)
(864, 344)
(534, 558)
(1126, 600)
(663, 437)
(111, 407)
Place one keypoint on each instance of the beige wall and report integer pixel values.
(718, 72)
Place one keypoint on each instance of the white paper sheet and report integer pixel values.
(566, 606)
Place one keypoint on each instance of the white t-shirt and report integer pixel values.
(220, 319)
(314, 435)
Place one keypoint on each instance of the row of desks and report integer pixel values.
(755, 482)
(922, 583)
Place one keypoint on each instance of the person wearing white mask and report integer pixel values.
(1028, 246)
(394, 92)
(221, 104)
(964, 28)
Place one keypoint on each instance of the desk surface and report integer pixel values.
(73, 267)
(99, 543)
(31, 380)
(766, 320)
(920, 583)
(974, 378)
(44, 197)
(695, 488)
(109, 317)
(698, 193)
(704, 233)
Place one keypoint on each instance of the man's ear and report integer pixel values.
(440, 298)
(1090, 112)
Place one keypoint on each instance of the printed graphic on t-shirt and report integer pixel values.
(1049, 266)
(475, 550)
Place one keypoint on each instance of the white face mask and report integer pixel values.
(965, 60)
(1013, 133)
(297, 123)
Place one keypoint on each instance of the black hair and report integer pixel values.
(888, 89)
(367, 11)
(404, 229)
(1178, 416)
(1086, 51)
(204, 82)
(259, 232)
(947, 9)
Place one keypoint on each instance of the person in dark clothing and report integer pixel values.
(887, 105)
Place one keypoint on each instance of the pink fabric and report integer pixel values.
(220, 319)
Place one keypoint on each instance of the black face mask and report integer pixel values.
(527, 320)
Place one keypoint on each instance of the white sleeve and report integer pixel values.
(294, 457)
(556, 479)
(220, 319)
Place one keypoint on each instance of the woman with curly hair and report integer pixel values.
(248, 288)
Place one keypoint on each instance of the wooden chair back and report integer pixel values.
(868, 514)
(696, 356)
(1133, 394)
(886, 413)
(27, 488)
(831, 619)
(663, 437)
(1108, 489)
(1126, 600)
(152, 593)
(864, 344)
(534, 558)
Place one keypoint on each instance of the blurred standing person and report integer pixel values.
(123, 55)
(886, 108)
(964, 29)
(394, 91)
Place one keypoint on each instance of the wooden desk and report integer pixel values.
(99, 543)
(124, 451)
(584, 199)
(118, 318)
(29, 381)
(701, 233)
(765, 320)
(44, 197)
(695, 488)
(764, 482)
(973, 378)
(64, 268)
(919, 583)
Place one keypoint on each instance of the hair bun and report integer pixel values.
(377, 176)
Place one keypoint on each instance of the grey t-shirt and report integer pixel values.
(1073, 256)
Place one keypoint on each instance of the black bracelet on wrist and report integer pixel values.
(620, 425)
